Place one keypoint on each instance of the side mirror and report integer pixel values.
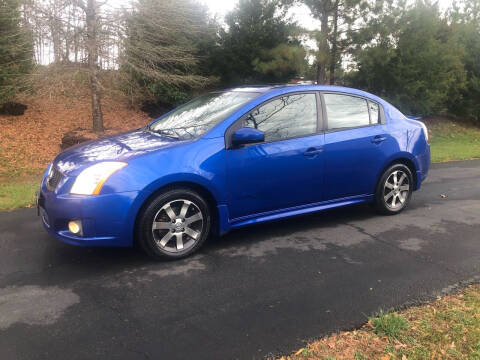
(247, 135)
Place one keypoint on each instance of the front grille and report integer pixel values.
(53, 179)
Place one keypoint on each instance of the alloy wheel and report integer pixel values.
(396, 190)
(177, 226)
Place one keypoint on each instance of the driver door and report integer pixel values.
(286, 170)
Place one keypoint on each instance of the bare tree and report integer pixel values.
(71, 30)
(91, 8)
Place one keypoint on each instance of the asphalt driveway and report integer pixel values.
(258, 291)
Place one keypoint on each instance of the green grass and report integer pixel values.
(359, 356)
(453, 140)
(450, 330)
(390, 325)
(14, 196)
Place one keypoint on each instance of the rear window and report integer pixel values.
(374, 112)
(344, 111)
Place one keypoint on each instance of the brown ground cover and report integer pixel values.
(30, 141)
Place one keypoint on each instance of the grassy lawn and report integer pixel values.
(453, 140)
(14, 196)
(18, 186)
(447, 328)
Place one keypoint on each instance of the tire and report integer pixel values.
(174, 225)
(394, 190)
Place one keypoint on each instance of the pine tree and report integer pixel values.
(258, 45)
(16, 50)
(338, 22)
(414, 60)
(466, 22)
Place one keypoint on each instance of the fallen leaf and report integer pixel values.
(299, 351)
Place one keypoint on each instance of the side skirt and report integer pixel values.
(227, 224)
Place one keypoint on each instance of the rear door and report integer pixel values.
(286, 169)
(356, 143)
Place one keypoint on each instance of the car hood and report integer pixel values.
(118, 147)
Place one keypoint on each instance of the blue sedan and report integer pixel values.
(233, 158)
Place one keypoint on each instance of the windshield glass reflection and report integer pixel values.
(201, 114)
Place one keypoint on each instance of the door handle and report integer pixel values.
(312, 152)
(378, 139)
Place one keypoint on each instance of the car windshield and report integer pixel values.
(201, 114)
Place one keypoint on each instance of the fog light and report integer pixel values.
(75, 227)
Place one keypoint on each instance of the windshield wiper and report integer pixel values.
(165, 133)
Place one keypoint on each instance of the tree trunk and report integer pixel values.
(323, 48)
(333, 56)
(92, 49)
(68, 37)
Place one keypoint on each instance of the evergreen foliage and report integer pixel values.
(465, 22)
(415, 61)
(16, 50)
(258, 45)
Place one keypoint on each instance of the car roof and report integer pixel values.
(256, 88)
(263, 89)
(285, 88)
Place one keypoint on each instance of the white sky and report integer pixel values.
(300, 13)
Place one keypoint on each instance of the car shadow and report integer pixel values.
(124, 258)
(121, 259)
(257, 233)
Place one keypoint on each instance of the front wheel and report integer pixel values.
(394, 190)
(174, 225)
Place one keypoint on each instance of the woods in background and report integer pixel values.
(16, 50)
(162, 52)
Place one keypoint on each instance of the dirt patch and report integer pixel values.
(13, 109)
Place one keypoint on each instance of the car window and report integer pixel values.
(201, 114)
(374, 112)
(345, 111)
(285, 117)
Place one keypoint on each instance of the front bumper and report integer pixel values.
(107, 220)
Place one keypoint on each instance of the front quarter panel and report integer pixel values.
(201, 162)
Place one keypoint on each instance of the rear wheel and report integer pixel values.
(174, 225)
(394, 190)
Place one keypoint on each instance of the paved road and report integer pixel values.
(258, 291)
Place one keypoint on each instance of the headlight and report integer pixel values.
(48, 172)
(91, 180)
(49, 169)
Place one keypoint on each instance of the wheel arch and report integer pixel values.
(405, 160)
(200, 189)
